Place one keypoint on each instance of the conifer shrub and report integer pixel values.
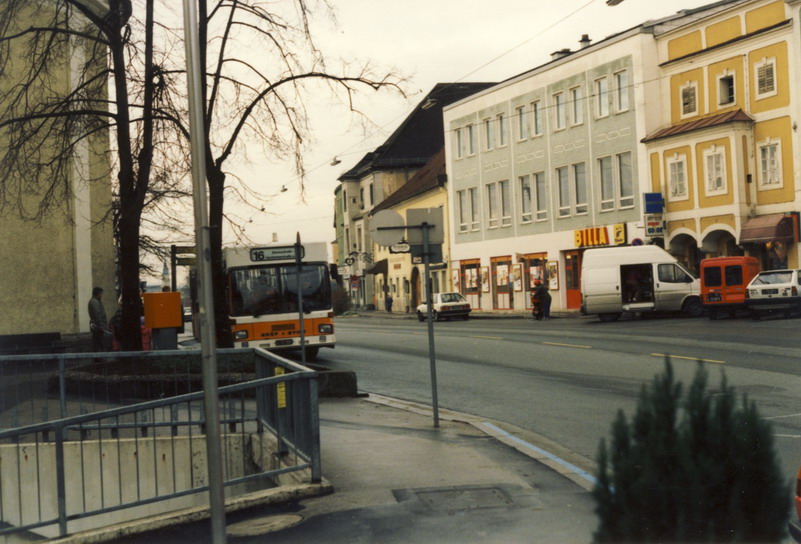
(694, 467)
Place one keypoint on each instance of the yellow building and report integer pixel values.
(49, 267)
(395, 273)
(723, 160)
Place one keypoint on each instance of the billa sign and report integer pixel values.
(593, 236)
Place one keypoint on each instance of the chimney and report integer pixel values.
(585, 41)
(560, 54)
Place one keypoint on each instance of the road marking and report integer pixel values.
(590, 480)
(788, 435)
(486, 337)
(780, 417)
(567, 345)
(689, 358)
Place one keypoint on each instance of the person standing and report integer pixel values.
(98, 323)
(543, 298)
(388, 303)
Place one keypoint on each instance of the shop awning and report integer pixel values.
(767, 228)
(380, 267)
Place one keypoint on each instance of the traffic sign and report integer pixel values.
(386, 228)
(431, 216)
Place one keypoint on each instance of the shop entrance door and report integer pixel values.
(573, 279)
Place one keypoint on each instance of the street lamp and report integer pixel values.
(613, 2)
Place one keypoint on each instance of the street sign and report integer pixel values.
(653, 203)
(402, 247)
(434, 253)
(654, 225)
(184, 250)
(185, 261)
(432, 216)
(385, 228)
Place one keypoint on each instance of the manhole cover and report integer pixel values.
(455, 500)
(262, 526)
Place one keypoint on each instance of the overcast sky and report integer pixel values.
(430, 41)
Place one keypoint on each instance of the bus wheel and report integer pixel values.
(311, 353)
(608, 317)
(420, 316)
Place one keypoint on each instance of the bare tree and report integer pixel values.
(45, 121)
(262, 65)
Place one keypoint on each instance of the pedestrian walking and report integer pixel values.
(540, 301)
(98, 323)
(388, 303)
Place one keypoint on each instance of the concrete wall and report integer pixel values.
(107, 473)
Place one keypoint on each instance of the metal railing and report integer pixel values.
(80, 439)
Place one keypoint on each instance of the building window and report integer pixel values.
(563, 185)
(765, 78)
(371, 192)
(359, 238)
(689, 99)
(715, 170)
(560, 111)
(522, 123)
(459, 143)
(361, 198)
(471, 140)
(625, 181)
(503, 130)
(770, 171)
(492, 205)
(462, 200)
(489, 134)
(607, 183)
(577, 105)
(615, 173)
(474, 214)
(536, 111)
(580, 187)
(622, 91)
(601, 97)
(344, 201)
(525, 198)
(506, 203)
(726, 89)
(541, 196)
(677, 177)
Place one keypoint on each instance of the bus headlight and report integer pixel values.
(240, 335)
(325, 328)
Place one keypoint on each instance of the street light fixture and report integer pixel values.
(613, 2)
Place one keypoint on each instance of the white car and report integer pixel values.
(445, 305)
(774, 290)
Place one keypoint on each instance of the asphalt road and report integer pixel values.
(565, 379)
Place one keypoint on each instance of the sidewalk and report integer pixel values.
(398, 479)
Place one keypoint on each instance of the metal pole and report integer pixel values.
(173, 269)
(207, 330)
(431, 352)
(299, 288)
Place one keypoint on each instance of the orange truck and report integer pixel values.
(724, 281)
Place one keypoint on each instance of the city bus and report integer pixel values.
(263, 302)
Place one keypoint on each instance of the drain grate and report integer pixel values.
(466, 498)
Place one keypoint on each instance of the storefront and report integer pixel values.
(773, 239)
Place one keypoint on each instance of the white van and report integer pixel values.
(615, 280)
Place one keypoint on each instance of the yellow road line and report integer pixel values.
(689, 358)
(487, 337)
(567, 345)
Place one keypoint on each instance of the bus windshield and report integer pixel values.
(273, 289)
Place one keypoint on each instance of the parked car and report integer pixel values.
(774, 291)
(724, 281)
(445, 305)
(795, 523)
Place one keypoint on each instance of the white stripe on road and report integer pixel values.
(567, 345)
(689, 358)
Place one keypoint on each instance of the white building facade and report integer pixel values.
(547, 164)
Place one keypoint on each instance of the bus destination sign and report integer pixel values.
(261, 254)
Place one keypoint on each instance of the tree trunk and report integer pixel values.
(130, 328)
(216, 180)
